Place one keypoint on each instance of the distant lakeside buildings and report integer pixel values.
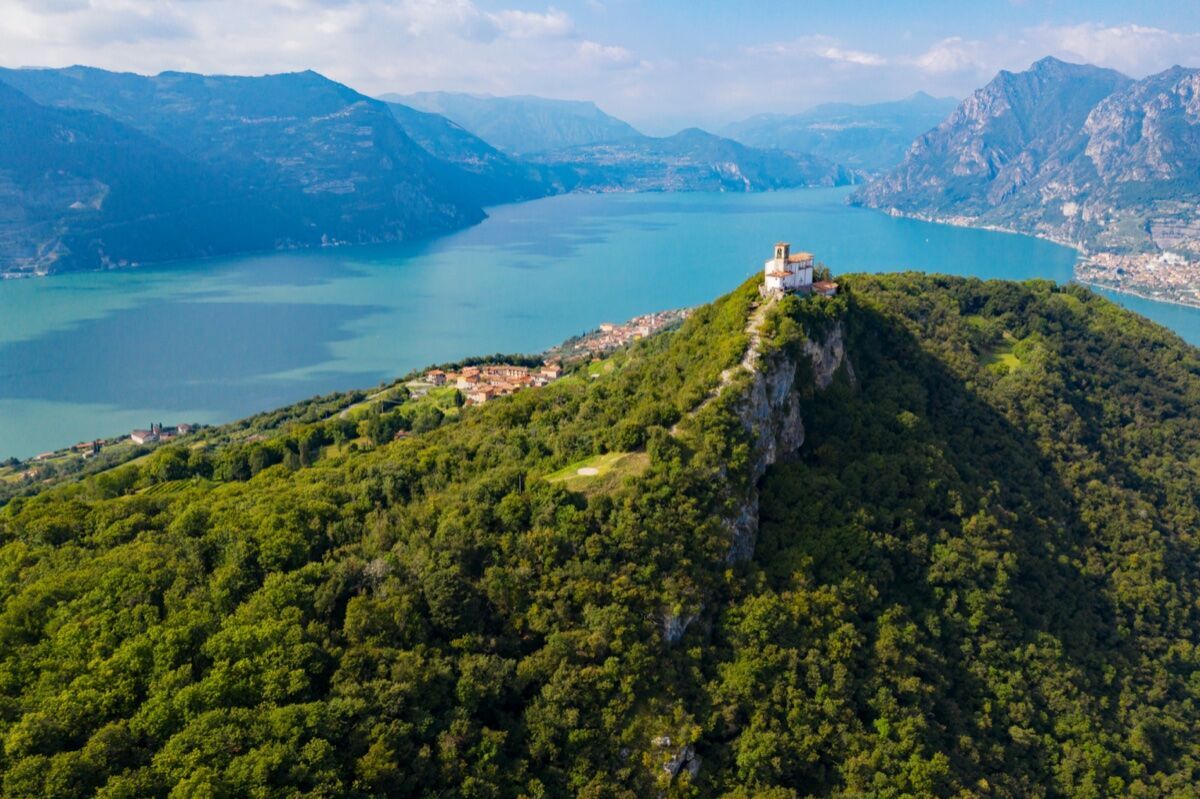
(479, 384)
(785, 273)
(158, 433)
(39, 465)
(610, 336)
(1162, 276)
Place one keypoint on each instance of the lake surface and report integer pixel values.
(97, 354)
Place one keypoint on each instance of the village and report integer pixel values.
(86, 450)
(785, 273)
(479, 384)
(1164, 276)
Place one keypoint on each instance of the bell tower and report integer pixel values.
(782, 250)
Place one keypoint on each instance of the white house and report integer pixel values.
(788, 271)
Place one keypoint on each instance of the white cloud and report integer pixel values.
(532, 25)
(949, 56)
(817, 47)
(859, 57)
(375, 46)
(1135, 49)
(606, 55)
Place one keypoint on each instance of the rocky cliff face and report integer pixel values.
(1149, 132)
(999, 140)
(770, 413)
(1070, 152)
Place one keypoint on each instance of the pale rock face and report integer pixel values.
(1150, 132)
(685, 758)
(1077, 154)
(771, 413)
(674, 625)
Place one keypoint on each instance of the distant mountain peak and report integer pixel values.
(1050, 62)
(523, 124)
(870, 136)
(1075, 152)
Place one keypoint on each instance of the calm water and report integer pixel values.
(209, 341)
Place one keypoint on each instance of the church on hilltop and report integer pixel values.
(790, 272)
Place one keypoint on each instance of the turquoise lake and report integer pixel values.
(97, 354)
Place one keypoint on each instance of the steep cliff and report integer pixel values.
(769, 412)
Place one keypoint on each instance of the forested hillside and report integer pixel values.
(975, 577)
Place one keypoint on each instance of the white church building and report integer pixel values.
(788, 271)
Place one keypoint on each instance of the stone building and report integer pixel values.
(787, 271)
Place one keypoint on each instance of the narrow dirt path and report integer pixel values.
(749, 360)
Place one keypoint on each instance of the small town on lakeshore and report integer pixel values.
(484, 382)
(1164, 276)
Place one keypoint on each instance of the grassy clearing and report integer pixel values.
(597, 368)
(977, 321)
(1002, 356)
(609, 469)
(176, 486)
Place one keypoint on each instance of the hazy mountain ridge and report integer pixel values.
(321, 163)
(81, 190)
(523, 124)
(872, 137)
(492, 176)
(691, 160)
(1071, 152)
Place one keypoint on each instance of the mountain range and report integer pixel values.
(870, 137)
(691, 160)
(521, 125)
(1072, 152)
(104, 169)
(283, 161)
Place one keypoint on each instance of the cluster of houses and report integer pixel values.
(88, 449)
(159, 433)
(612, 336)
(488, 381)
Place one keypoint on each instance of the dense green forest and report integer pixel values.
(976, 578)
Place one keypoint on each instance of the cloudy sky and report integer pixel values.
(661, 64)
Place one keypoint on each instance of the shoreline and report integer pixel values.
(961, 222)
(1084, 255)
(1132, 293)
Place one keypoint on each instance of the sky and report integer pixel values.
(660, 64)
